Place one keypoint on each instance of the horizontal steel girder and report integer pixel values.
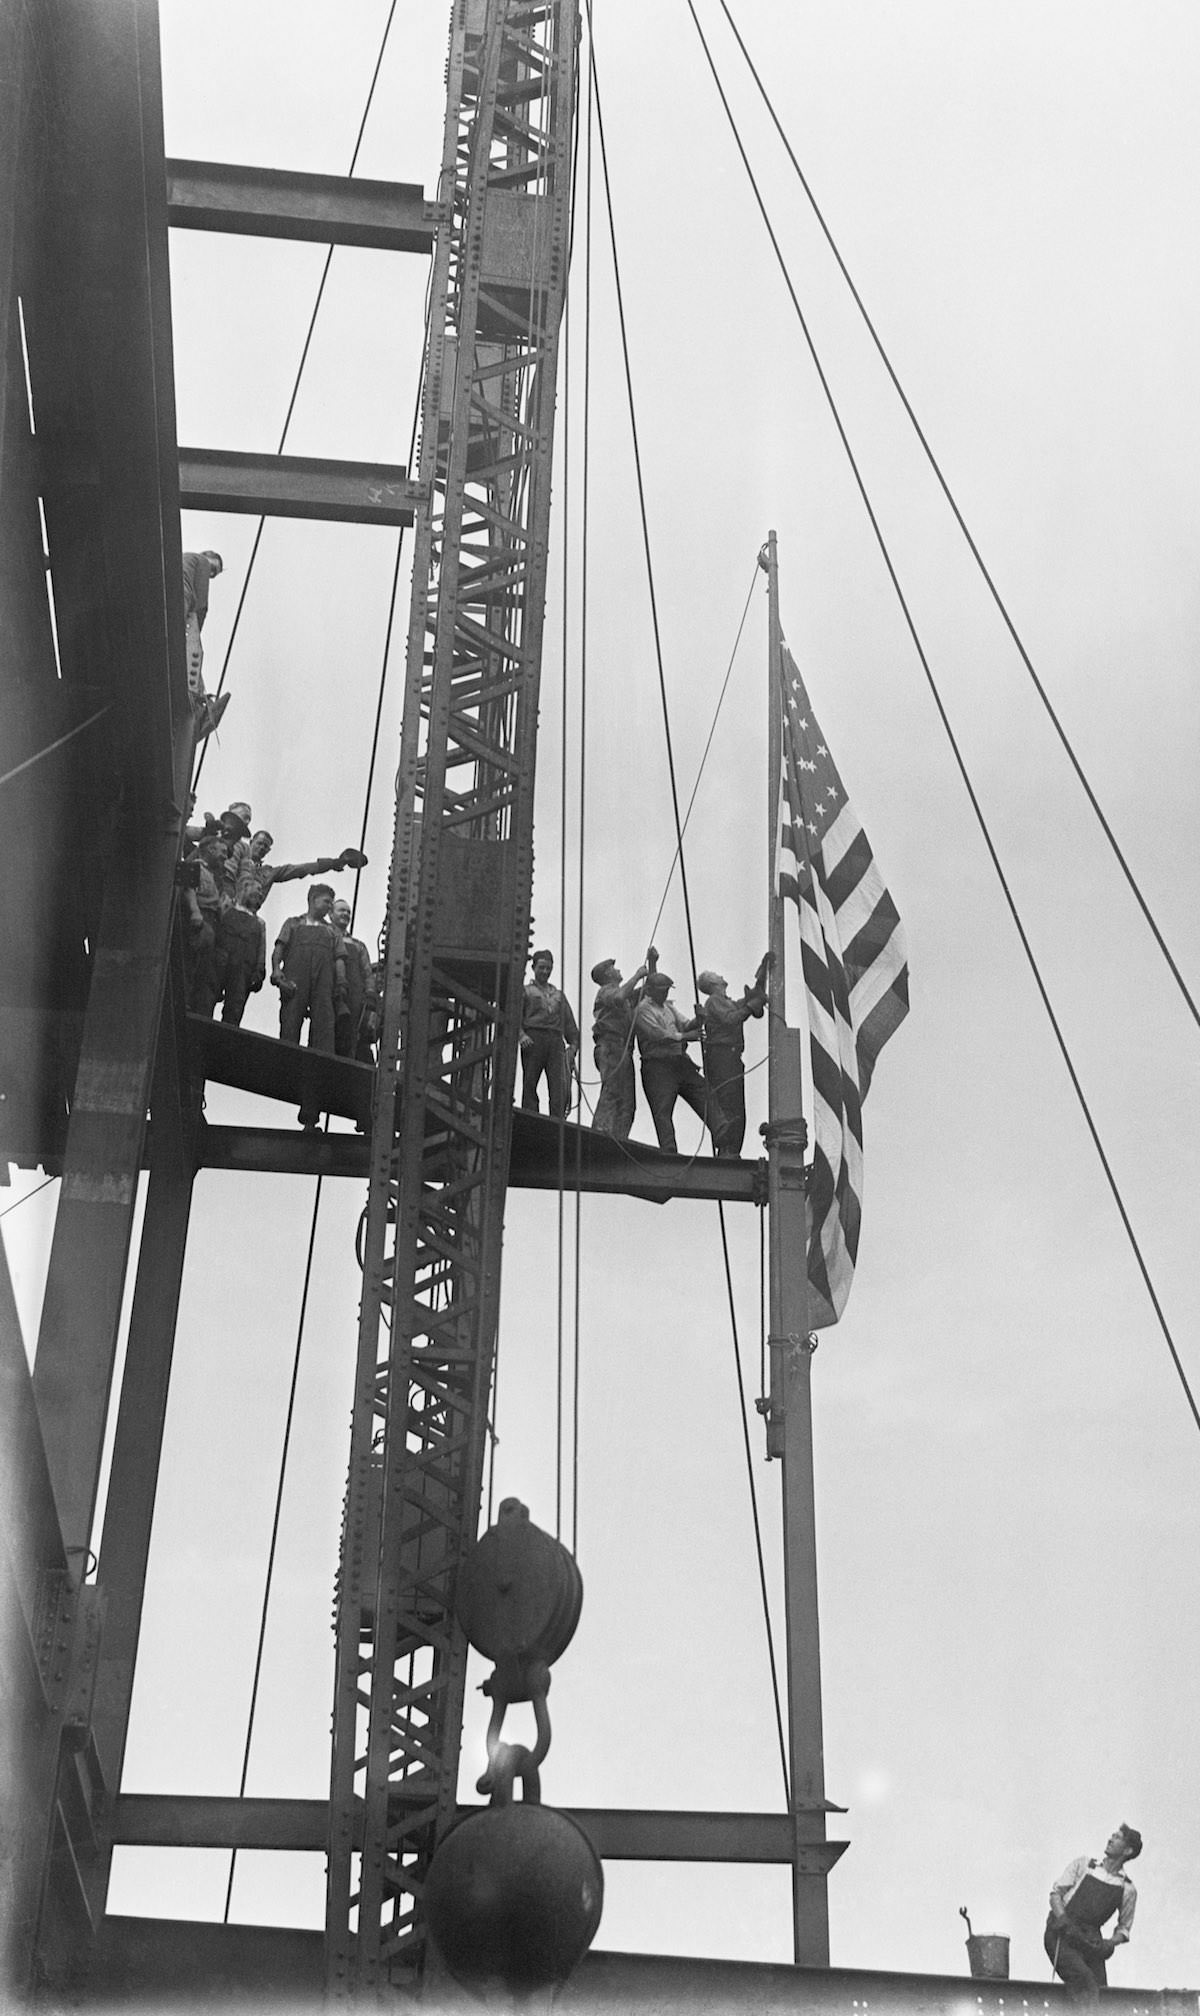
(143, 1960)
(656, 1178)
(296, 486)
(153, 1820)
(280, 203)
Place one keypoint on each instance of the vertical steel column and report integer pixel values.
(789, 1430)
(458, 928)
(77, 1338)
(137, 1447)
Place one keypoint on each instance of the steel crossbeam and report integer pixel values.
(458, 925)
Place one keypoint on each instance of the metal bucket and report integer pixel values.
(987, 1955)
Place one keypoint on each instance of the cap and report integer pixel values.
(237, 815)
(708, 980)
(658, 979)
(601, 967)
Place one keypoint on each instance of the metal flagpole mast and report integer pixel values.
(789, 1418)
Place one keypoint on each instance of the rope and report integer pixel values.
(18, 1201)
(40, 754)
(637, 461)
(704, 758)
(583, 631)
(562, 880)
(291, 406)
(287, 1436)
(957, 753)
(758, 1546)
(963, 527)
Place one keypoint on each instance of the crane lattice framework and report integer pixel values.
(457, 931)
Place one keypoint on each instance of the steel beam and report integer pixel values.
(144, 1960)
(281, 203)
(163, 1821)
(656, 1178)
(141, 1417)
(789, 1421)
(296, 486)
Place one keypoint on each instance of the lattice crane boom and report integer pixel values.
(457, 931)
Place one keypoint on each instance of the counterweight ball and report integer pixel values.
(515, 1893)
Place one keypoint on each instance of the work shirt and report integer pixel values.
(547, 1007)
(612, 1014)
(1123, 1893)
(357, 963)
(660, 1029)
(723, 1019)
(252, 875)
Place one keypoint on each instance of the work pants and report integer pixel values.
(239, 939)
(1081, 1969)
(617, 1102)
(725, 1074)
(309, 963)
(202, 968)
(664, 1080)
(544, 1052)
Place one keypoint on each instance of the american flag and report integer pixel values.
(855, 979)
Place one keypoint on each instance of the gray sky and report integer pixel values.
(1008, 1476)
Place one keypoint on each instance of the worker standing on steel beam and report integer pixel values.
(1081, 1903)
(251, 869)
(304, 967)
(723, 1025)
(350, 996)
(241, 956)
(549, 1040)
(612, 1037)
(668, 1073)
(198, 570)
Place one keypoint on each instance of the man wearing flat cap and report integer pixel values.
(724, 1023)
(549, 1040)
(612, 1036)
(668, 1073)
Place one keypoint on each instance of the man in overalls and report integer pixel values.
(1081, 1903)
(303, 967)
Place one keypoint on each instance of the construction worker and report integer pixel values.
(353, 989)
(198, 570)
(668, 1073)
(612, 1038)
(1081, 1903)
(241, 956)
(549, 1039)
(304, 968)
(723, 1024)
(251, 869)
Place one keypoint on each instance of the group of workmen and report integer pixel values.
(324, 974)
(638, 1012)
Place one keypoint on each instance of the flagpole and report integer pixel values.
(789, 1418)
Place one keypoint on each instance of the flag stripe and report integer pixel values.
(855, 975)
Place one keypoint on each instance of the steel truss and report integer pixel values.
(458, 927)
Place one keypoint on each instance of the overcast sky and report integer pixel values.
(1007, 1474)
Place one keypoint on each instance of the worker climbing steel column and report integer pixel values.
(198, 570)
(1081, 1903)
